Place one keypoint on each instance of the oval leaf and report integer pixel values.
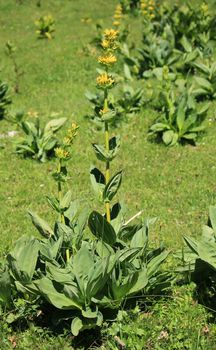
(101, 228)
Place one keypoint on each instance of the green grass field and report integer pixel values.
(176, 185)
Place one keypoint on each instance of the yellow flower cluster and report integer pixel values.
(104, 110)
(109, 39)
(148, 8)
(109, 44)
(105, 80)
(107, 60)
(110, 34)
(117, 15)
(62, 152)
(71, 134)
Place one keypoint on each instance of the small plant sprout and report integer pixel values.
(45, 27)
(106, 81)
(11, 52)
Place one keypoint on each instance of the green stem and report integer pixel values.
(62, 218)
(60, 192)
(107, 173)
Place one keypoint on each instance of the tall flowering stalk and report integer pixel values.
(63, 155)
(104, 185)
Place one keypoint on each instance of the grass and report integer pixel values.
(177, 185)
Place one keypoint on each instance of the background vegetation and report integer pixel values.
(175, 184)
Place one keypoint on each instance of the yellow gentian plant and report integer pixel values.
(105, 186)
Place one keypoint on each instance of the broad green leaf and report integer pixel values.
(41, 225)
(55, 247)
(101, 228)
(54, 203)
(72, 212)
(97, 181)
(79, 324)
(29, 128)
(76, 326)
(47, 289)
(200, 92)
(202, 67)
(190, 57)
(82, 261)
(192, 244)
(202, 109)
(65, 201)
(121, 288)
(58, 274)
(159, 127)
(155, 263)
(140, 238)
(141, 282)
(186, 44)
(23, 258)
(48, 143)
(100, 152)
(114, 145)
(127, 72)
(103, 249)
(98, 276)
(190, 136)
(20, 148)
(170, 138)
(112, 187)
(128, 254)
(203, 83)
(104, 155)
(108, 116)
(88, 313)
(117, 214)
(54, 125)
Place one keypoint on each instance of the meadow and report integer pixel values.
(174, 184)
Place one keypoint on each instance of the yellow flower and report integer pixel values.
(109, 59)
(151, 8)
(105, 80)
(116, 23)
(67, 140)
(71, 134)
(119, 8)
(111, 34)
(152, 15)
(143, 5)
(61, 153)
(105, 44)
(117, 16)
(104, 110)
